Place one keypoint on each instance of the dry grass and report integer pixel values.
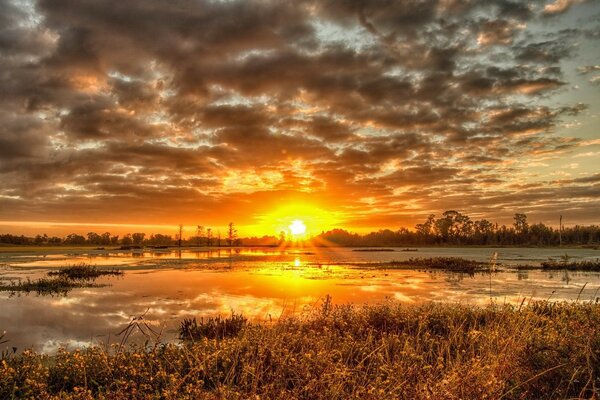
(432, 351)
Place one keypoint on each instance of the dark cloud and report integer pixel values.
(117, 108)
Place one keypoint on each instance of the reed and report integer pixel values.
(441, 351)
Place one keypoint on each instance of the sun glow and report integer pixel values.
(297, 227)
(297, 221)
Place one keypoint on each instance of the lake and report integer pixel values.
(263, 284)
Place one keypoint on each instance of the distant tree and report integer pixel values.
(74, 239)
(231, 234)
(281, 238)
(138, 238)
(199, 233)
(105, 238)
(209, 237)
(40, 239)
(127, 241)
(160, 240)
(93, 238)
(426, 229)
(520, 224)
(54, 240)
(180, 235)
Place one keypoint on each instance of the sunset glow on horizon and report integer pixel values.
(357, 115)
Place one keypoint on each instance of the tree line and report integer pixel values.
(455, 228)
(452, 227)
(203, 237)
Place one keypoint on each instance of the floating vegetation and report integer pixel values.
(373, 250)
(593, 265)
(43, 286)
(386, 351)
(84, 272)
(59, 282)
(453, 264)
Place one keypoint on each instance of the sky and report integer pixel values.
(140, 115)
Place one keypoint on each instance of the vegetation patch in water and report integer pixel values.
(390, 350)
(593, 265)
(84, 272)
(374, 250)
(454, 264)
(43, 286)
(59, 282)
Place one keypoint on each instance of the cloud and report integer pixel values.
(178, 112)
(560, 6)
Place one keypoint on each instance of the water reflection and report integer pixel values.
(506, 256)
(261, 284)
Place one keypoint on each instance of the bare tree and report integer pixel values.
(180, 235)
(209, 237)
(199, 233)
(231, 234)
(560, 228)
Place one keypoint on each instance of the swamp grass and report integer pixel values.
(43, 286)
(539, 350)
(451, 264)
(59, 282)
(585, 265)
(84, 272)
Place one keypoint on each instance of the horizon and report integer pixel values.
(63, 229)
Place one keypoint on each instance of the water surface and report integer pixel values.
(263, 284)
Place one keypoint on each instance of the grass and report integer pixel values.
(453, 264)
(572, 265)
(440, 351)
(84, 272)
(213, 328)
(43, 286)
(59, 282)
(374, 250)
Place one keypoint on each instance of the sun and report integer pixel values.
(297, 227)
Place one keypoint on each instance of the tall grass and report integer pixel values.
(386, 351)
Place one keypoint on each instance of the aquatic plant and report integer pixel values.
(43, 286)
(84, 272)
(454, 264)
(566, 263)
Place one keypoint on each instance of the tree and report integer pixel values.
(281, 238)
(94, 238)
(425, 229)
(138, 238)
(209, 237)
(521, 225)
(199, 233)
(126, 241)
(231, 234)
(105, 238)
(74, 239)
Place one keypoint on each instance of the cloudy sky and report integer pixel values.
(361, 114)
